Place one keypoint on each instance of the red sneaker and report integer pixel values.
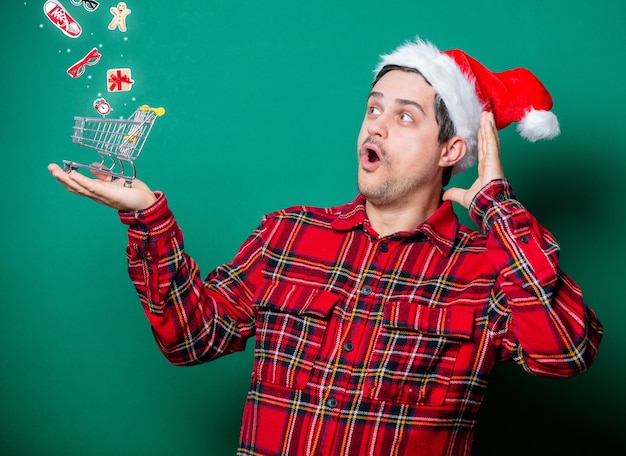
(61, 18)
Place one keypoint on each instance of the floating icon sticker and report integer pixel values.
(119, 17)
(101, 105)
(78, 68)
(90, 5)
(59, 16)
(119, 80)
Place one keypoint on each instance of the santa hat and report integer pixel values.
(467, 88)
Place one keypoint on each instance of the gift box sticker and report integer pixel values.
(119, 80)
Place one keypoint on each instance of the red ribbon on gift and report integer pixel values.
(117, 79)
(78, 68)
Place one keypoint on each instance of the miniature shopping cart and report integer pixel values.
(118, 141)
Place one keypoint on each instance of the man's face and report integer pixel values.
(398, 146)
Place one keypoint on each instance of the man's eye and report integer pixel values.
(373, 110)
(406, 117)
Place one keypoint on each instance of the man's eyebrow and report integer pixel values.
(405, 102)
(400, 101)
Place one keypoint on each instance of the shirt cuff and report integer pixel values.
(151, 220)
(494, 201)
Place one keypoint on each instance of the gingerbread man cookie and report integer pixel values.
(119, 17)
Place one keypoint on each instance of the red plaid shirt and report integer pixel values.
(367, 345)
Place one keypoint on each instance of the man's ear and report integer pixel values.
(453, 150)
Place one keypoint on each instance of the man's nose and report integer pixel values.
(378, 126)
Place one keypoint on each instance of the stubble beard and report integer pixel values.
(388, 191)
(390, 188)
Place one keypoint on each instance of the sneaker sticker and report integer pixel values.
(119, 17)
(119, 80)
(78, 68)
(59, 16)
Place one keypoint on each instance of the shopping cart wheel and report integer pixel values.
(69, 166)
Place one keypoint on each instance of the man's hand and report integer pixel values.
(105, 191)
(489, 165)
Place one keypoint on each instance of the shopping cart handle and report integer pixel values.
(158, 111)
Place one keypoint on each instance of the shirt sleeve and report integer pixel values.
(549, 330)
(193, 320)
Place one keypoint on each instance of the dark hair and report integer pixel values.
(446, 127)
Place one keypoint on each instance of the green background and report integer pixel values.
(264, 101)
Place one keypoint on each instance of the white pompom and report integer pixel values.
(538, 125)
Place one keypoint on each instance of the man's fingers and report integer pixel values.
(452, 194)
(458, 195)
(489, 165)
(104, 190)
(99, 174)
(64, 178)
(489, 133)
(78, 184)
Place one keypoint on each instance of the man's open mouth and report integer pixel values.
(372, 155)
(371, 151)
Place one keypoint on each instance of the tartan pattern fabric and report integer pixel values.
(367, 345)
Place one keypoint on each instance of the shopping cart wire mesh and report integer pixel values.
(118, 141)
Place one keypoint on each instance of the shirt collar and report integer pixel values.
(352, 215)
(440, 229)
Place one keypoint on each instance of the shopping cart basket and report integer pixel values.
(118, 141)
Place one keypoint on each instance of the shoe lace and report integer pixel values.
(59, 14)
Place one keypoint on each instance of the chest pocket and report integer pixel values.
(415, 352)
(291, 324)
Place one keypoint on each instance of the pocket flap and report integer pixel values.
(296, 299)
(455, 322)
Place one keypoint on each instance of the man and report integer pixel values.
(377, 323)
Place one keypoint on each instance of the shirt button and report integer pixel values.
(524, 239)
(348, 346)
(384, 247)
(500, 197)
(331, 402)
(366, 291)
